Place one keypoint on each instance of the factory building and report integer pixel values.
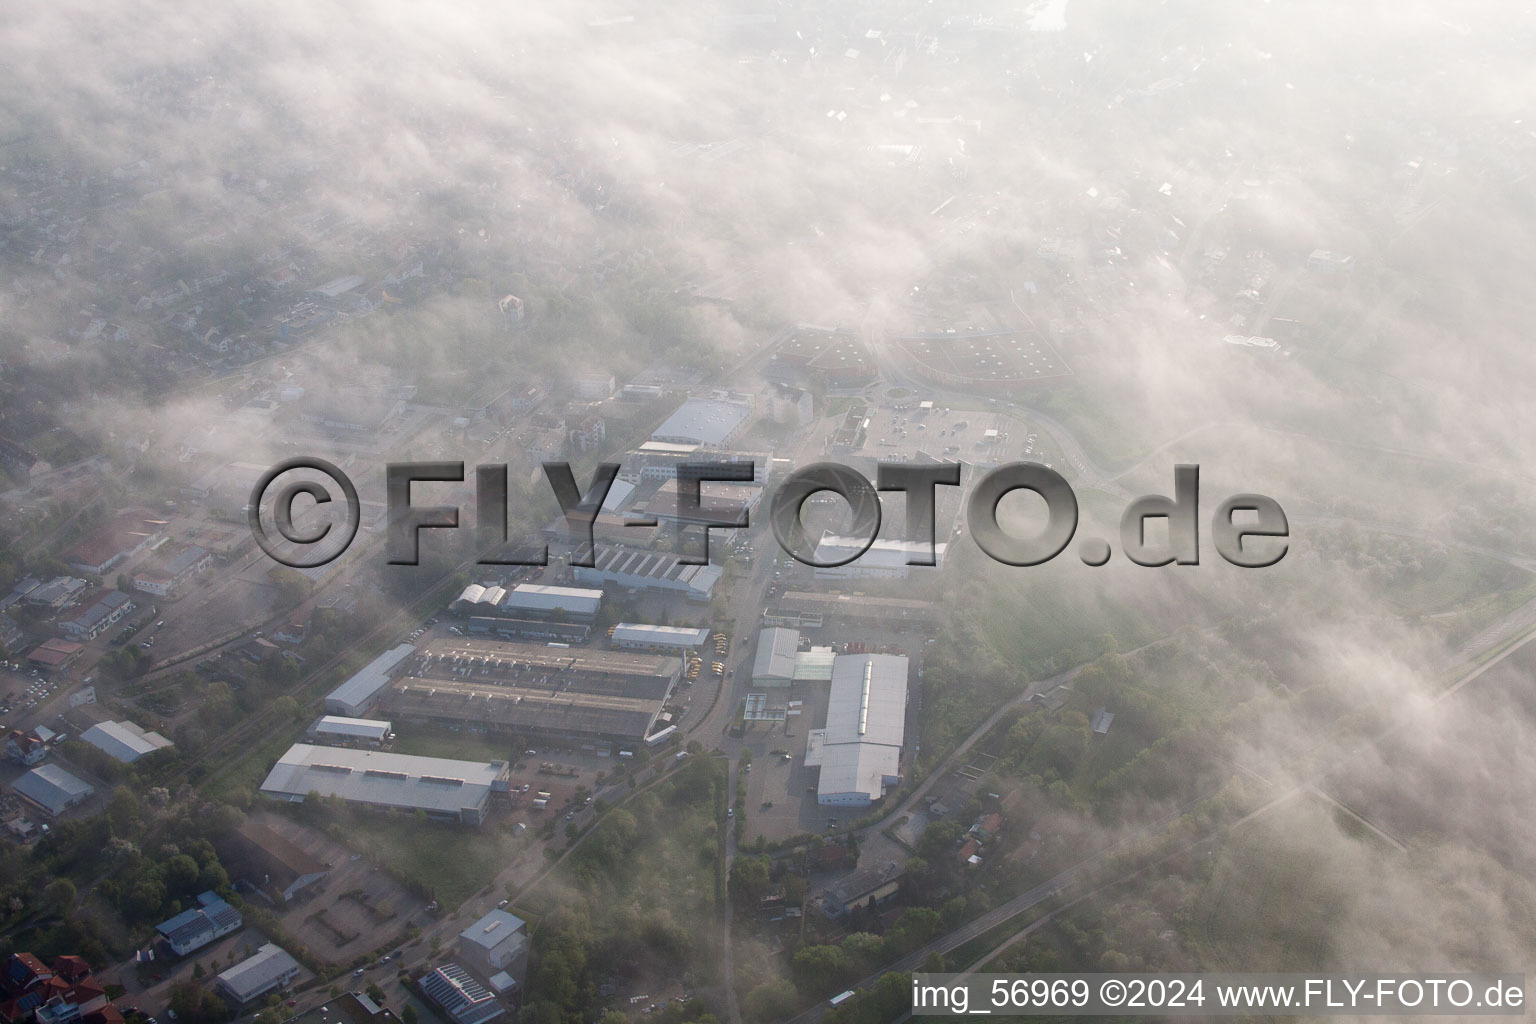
(660, 639)
(884, 560)
(442, 788)
(123, 740)
(533, 690)
(269, 969)
(530, 629)
(51, 789)
(536, 601)
(709, 422)
(774, 663)
(649, 570)
(341, 731)
(859, 749)
(357, 694)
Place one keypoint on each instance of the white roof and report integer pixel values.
(258, 972)
(384, 779)
(536, 596)
(494, 929)
(371, 678)
(866, 725)
(51, 787)
(671, 636)
(124, 740)
(618, 494)
(336, 725)
(703, 421)
(776, 649)
(882, 554)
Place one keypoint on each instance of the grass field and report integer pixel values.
(454, 863)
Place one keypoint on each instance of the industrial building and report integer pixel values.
(441, 788)
(347, 1008)
(859, 749)
(710, 422)
(635, 636)
(884, 560)
(812, 610)
(530, 629)
(536, 601)
(534, 690)
(269, 969)
(463, 999)
(124, 741)
(479, 599)
(649, 570)
(780, 661)
(717, 502)
(357, 694)
(494, 945)
(193, 929)
(55, 654)
(270, 861)
(339, 730)
(774, 663)
(51, 789)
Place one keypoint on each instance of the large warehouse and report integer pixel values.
(455, 790)
(883, 560)
(536, 601)
(51, 789)
(859, 750)
(536, 690)
(357, 694)
(529, 601)
(124, 740)
(649, 570)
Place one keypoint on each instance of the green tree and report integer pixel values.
(819, 969)
(771, 1000)
(59, 896)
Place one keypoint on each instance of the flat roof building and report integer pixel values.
(859, 749)
(357, 694)
(717, 501)
(347, 1008)
(713, 423)
(858, 607)
(51, 789)
(123, 740)
(269, 969)
(534, 601)
(884, 559)
(495, 943)
(638, 637)
(442, 788)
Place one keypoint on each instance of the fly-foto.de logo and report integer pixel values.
(1248, 530)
